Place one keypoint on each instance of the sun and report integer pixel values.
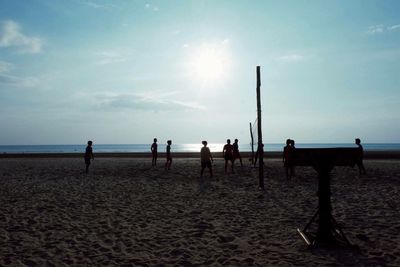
(208, 63)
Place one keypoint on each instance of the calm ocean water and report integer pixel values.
(175, 147)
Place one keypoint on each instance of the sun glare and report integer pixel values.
(208, 63)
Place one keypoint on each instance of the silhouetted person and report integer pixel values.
(360, 163)
(153, 149)
(260, 150)
(292, 168)
(88, 155)
(288, 158)
(236, 153)
(206, 159)
(227, 154)
(169, 157)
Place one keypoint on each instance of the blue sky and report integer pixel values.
(128, 71)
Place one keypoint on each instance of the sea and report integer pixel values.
(123, 148)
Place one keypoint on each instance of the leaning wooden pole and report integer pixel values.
(252, 144)
(260, 143)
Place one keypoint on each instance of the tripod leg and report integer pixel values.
(312, 220)
(338, 228)
(303, 233)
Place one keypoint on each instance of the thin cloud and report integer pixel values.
(5, 67)
(147, 102)
(12, 80)
(291, 58)
(110, 57)
(394, 27)
(11, 36)
(96, 5)
(6, 78)
(376, 29)
(151, 7)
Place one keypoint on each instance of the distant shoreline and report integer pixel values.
(392, 154)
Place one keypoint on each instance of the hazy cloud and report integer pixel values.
(151, 102)
(12, 80)
(151, 7)
(375, 29)
(394, 27)
(96, 5)
(18, 81)
(291, 58)
(5, 67)
(11, 36)
(111, 56)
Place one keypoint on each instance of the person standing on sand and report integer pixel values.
(236, 154)
(227, 154)
(287, 159)
(291, 151)
(206, 159)
(153, 149)
(360, 163)
(169, 157)
(88, 155)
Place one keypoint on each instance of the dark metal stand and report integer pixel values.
(329, 233)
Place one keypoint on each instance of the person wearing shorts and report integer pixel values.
(227, 153)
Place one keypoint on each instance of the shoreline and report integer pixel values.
(386, 154)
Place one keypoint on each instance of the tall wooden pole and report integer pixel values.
(260, 143)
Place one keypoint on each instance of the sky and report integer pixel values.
(124, 72)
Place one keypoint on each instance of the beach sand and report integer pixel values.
(126, 213)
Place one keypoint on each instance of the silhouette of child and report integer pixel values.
(236, 154)
(153, 149)
(88, 155)
(169, 157)
(360, 163)
(227, 154)
(206, 159)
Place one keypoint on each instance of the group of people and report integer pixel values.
(230, 153)
(154, 152)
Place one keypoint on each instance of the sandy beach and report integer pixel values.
(126, 213)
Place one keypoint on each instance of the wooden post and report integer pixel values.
(260, 143)
(252, 144)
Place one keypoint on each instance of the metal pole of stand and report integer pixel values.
(325, 227)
